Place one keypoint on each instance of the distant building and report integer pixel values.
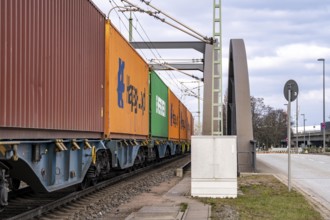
(313, 135)
(308, 129)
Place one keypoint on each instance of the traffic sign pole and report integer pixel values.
(289, 138)
(290, 93)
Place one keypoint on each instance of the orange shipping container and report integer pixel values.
(126, 111)
(183, 122)
(173, 116)
(192, 125)
(189, 124)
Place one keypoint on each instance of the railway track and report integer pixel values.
(26, 204)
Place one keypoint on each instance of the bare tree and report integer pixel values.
(269, 124)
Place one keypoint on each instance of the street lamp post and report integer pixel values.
(297, 112)
(304, 127)
(323, 124)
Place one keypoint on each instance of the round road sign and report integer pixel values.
(293, 87)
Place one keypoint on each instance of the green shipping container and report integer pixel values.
(158, 107)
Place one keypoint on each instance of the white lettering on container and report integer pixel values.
(160, 106)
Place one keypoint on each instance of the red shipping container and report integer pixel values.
(51, 69)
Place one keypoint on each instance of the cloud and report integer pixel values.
(302, 52)
(283, 41)
(291, 54)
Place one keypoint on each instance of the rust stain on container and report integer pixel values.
(126, 89)
(173, 116)
(51, 66)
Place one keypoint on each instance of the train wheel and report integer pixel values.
(14, 184)
(93, 181)
(3, 192)
(140, 158)
(84, 184)
(167, 153)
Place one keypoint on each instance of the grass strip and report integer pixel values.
(262, 197)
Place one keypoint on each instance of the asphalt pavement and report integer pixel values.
(309, 173)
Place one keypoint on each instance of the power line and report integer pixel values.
(174, 79)
(189, 31)
(116, 6)
(151, 43)
(173, 19)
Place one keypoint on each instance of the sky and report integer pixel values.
(283, 41)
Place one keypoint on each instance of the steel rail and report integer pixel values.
(80, 194)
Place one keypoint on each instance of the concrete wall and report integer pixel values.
(214, 166)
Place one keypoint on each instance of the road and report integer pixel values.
(310, 173)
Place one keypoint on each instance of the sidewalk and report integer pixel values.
(179, 194)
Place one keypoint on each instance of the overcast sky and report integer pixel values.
(283, 41)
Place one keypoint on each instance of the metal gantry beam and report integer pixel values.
(190, 66)
(213, 122)
(209, 80)
(196, 45)
(207, 104)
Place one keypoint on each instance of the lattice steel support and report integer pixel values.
(216, 123)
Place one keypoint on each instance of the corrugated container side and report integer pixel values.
(51, 68)
(189, 125)
(173, 117)
(158, 107)
(192, 125)
(126, 89)
(183, 122)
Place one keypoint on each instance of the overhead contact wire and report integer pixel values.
(153, 14)
(174, 80)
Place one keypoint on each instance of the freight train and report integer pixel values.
(76, 100)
